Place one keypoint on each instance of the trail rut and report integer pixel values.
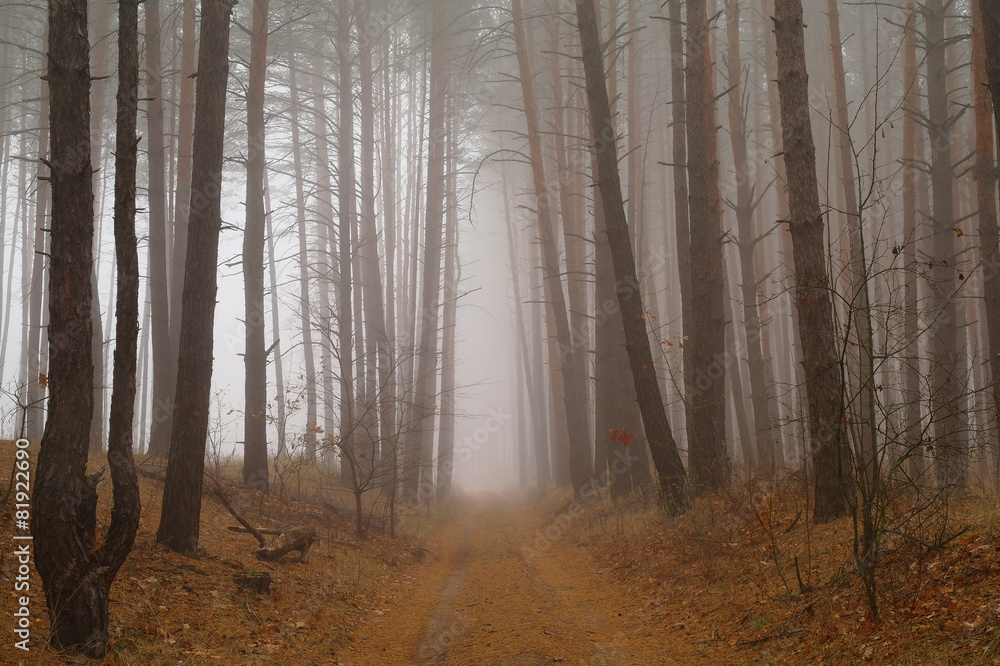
(492, 596)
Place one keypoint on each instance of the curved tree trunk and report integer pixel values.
(661, 442)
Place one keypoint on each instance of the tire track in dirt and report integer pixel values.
(491, 598)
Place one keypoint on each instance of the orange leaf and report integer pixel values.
(43, 380)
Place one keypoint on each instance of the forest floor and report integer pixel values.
(530, 578)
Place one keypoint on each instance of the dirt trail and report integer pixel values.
(497, 594)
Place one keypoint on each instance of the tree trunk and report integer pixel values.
(305, 308)
(379, 375)
(761, 391)
(707, 438)
(346, 227)
(452, 278)
(125, 514)
(164, 370)
(418, 481)
(947, 396)
(389, 360)
(181, 507)
(986, 79)
(76, 570)
(824, 382)
(531, 374)
(573, 377)
(254, 358)
(573, 224)
(281, 418)
(661, 442)
(682, 231)
(911, 359)
(861, 402)
(325, 255)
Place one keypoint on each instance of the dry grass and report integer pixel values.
(166, 608)
(747, 571)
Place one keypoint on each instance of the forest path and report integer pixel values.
(497, 591)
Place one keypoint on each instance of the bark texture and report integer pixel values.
(76, 569)
(824, 383)
(181, 508)
(707, 453)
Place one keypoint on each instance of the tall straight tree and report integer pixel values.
(163, 400)
(305, 308)
(76, 568)
(417, 473)
(707, 404)
(860, 348)
(986, 184)
(947, 399)
(378, 372)
(570, 360)
(761, 390)
(346, 229)
(254, 359)
(452, 278)
(532, 383)
(682, 232)
(181, 507)
(667, 460)
(824, 380)
(164, 370)
(911, 316)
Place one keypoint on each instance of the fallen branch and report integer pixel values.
(221, 494)
(263, 530)
(296, 538)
